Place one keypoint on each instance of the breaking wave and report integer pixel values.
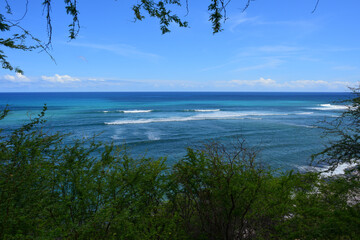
(201, 110)
(135, 111)
(329, 107)
(211, 116)
(324, 171)
(304, 113)
(128, 111)
(153, 136)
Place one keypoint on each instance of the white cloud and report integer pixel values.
(303, 84)
(238, 20)
(316, 83)
(306, 83)
(272, 50)
(261, 81)
(279, 48)
(17, 78)
(235, 21)
(96, 79)
(119, 49)
(345, 68)
(272, 63)
(60, 79)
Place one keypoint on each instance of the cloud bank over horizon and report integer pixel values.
(57, 82)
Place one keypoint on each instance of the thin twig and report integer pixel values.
(246, 6)
(316, 5)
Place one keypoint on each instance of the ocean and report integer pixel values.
(282, 126)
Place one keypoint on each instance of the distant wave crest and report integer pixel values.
(329, 107)
(201, 110)
(128, 111)
(304, 113)
(135, 111)
(208, 116)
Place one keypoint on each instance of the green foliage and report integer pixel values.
(159, 10)
(347, 126)
(52, 190)
(19, 38)
(215, 16)
(337, 212)
(91, 190)
(326, 211)
(72, 10)
(220, 194)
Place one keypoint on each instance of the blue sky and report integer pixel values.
(276, 45)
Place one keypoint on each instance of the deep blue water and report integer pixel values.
(163, 124)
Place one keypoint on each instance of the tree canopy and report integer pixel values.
(346, 149)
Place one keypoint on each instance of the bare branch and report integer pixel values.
(247, 5)
(44, 47)
(316, 5)
(47, 8)
(187, 8)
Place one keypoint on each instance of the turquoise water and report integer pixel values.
(281, 125)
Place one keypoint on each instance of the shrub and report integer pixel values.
(91, 190)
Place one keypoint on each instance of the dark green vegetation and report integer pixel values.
(347, 127)
(91, 190)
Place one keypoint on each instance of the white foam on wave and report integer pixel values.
(118, 134)
(252, 118)
(127, 111)
(201, 110)
(115, 137)
(151, 120)
(339, 170)
(300, 125)
(134, 111)
(329, 107)
(304, 113)
(229, 115)
(203, 116)
(153, 136)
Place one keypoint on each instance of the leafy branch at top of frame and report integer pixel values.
(159, 9)
(19, 37)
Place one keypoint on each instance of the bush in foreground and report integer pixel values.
(90, 190)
